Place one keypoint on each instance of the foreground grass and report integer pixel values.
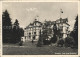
(30, 49)
(37, 50)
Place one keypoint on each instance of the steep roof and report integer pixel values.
(65, 20)
(37, 22)
(32, 24)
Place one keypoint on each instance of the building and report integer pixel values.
(63, 26)
(31, 32)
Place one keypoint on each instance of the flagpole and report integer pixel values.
(60, 13)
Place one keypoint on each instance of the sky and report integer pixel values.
(26, 12)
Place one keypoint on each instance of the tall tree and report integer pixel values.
(6, 20)
(47, 32)
(40, 41)
(54, 38)
(21, 32)
(6, 27)
(76, 31)
(16, 32)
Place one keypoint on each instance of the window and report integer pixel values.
(29, 36)
(35, 23)
(29, 33)
(33, 37)
(34, 33)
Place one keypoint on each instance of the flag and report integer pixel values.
(61, 11)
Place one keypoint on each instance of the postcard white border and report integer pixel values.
(40, 1)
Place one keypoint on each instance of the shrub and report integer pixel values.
(69, 41)
(20, 43)
(53, 39)
(46, 42)
(60, 42)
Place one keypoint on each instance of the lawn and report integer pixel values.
(31, 49)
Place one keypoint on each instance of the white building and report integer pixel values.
(63, 25)
(31, 32)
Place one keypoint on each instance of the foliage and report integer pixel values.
(54, 38)
(60, 42)
(20, 43)
(6, 20)
(47, 31)
(12, 33)
(17, 32)
(74, 33)
(40, 41)
(69, 41)
(7, 27)
(55, 29)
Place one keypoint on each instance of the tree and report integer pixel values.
(61, 42)
(10, 35)
(47, 32)
(76, 31)
(7, 27)
(40, 41)
(69, 41)
(54, 38)
(55, 29)
(16, 32)
(6, 20)
(45, 36)
(21, 32)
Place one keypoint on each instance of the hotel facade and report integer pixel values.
(31, 32)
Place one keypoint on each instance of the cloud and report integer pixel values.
(31, 9)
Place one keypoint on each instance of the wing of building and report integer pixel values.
(32, 30)
(63, 25)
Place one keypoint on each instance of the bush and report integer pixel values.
(20, 43)
(69, 41)
(60, 42)
(46, 42)
(53, 39)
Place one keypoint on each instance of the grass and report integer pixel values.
(31, 49)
